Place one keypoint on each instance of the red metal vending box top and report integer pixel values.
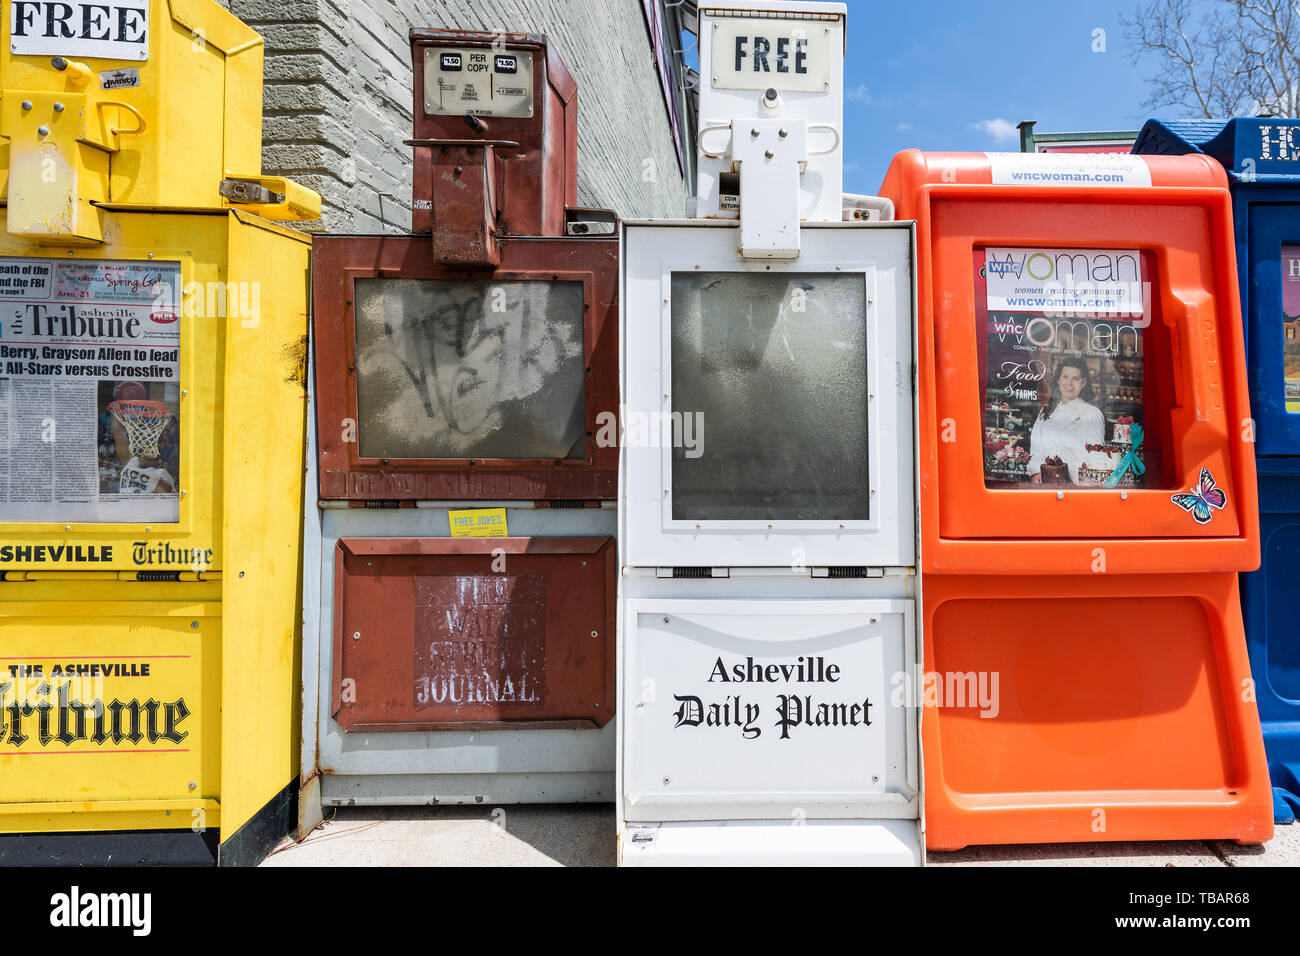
(485, 168)
(1195, 507)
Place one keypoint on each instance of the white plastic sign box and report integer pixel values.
(745, 709)
(765, 731)
(806, 364)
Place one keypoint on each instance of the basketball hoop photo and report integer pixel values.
(139, 451)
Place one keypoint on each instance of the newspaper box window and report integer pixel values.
(466, 375)
(1290, 256)
(767, 522)
(777, 365)
(90, 390)
(470, 369)
(1066, 373)
(755, 429)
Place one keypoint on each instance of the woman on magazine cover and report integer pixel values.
(1069, 422)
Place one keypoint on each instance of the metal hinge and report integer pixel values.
(248, 191)
(271, 197)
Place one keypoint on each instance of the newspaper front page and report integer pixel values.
(89, 390)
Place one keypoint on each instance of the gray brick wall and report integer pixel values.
(338, 100)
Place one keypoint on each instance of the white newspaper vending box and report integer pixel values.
(768, 651)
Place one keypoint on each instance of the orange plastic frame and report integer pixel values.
(1186, 225)
(1107, 704)
(1121, 710)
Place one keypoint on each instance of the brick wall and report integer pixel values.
(338, 100)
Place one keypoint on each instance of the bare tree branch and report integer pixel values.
(1219, 57)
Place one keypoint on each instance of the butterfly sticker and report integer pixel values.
(1202, 498)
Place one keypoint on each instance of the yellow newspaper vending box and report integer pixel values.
(152, 351)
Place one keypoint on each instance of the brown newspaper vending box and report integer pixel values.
(459, 606)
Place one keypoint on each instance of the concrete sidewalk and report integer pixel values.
(583, 835)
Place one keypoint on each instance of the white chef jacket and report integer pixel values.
(1073, 426)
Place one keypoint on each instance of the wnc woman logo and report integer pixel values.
(1065, 282)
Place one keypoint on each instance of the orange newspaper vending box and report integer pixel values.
(1087, 499)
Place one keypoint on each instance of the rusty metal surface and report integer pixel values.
(338, 262)
(473, 633)
(462, 190)
(532, 182)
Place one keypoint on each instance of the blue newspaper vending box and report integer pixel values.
(1262, 159)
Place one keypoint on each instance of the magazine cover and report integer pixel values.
(1291, 326)
(1063, 367)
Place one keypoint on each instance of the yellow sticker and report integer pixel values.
(481, 523)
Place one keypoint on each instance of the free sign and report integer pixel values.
(108, 29)
(751, 54)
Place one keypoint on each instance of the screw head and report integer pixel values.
(27, 104)
(43, 130)
(58, 107)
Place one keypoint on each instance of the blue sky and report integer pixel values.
(950, 75)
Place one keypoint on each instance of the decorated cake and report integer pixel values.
(1102, 462)
(1054, 472)
(1102, 458)
(1122, 433)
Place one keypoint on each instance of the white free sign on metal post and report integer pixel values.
(785, 55)
(771, 109)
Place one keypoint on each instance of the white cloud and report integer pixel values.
(858, 93)
(1002, 131)
(905, 127)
